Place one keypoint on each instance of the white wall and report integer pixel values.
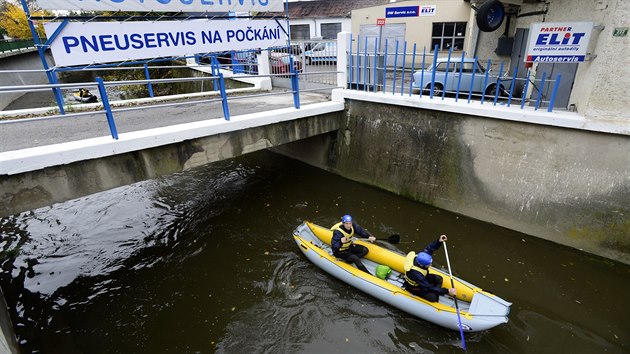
(418, 28)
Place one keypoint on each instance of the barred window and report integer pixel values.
(300, 32)
(330, 30)
(447, 35)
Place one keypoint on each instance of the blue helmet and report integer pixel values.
(424, 259)
(346, 218)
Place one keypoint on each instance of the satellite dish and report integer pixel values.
(490, 15)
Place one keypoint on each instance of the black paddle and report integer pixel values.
(393, 239)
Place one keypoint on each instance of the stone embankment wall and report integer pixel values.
(569, 186)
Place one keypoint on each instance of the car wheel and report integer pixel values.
(437, 89)
(492, 90)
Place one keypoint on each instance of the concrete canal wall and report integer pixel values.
(569, 186)
(527, 172)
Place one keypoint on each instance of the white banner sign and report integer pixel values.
(164, 5)
(428, 10)
(564, 42)
(103, 42)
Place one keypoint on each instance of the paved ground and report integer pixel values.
(21, 134)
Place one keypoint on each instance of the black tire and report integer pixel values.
(437, 89)
(490, 15)
(491, 90)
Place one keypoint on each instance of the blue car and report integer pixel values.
(449, 82)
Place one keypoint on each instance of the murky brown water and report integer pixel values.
(204, 261)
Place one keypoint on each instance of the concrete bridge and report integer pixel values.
(34, 177)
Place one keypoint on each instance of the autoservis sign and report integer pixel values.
(164, 5)
(565, 42)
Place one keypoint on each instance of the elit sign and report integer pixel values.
(164, 5)
(428, 10)
(558, 42)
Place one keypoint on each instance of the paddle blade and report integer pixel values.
(394, 239)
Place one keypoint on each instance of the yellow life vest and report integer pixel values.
(409, 266)
(348, 236)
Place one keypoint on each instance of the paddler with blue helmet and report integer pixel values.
(418, 280)
(342, 242)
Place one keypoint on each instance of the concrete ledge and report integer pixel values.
(561, 119)
(20, 161)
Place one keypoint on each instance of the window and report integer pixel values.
(441, 67)
(330, 30)
(447, 35)
(300, 32)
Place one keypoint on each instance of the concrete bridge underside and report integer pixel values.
(41, 186)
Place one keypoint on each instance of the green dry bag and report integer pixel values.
(382, 271)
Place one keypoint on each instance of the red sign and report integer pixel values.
(380, 22)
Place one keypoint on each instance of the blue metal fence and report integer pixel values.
(217, 77)
(446, 77)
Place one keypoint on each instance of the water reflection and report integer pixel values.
(204, 261)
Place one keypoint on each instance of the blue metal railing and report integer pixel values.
(451, 76)
(109, 111)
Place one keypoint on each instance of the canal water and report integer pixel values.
(204, 261)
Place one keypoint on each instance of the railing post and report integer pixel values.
(424, 56)
(404, 65)
(375, 63)
(498, 85)
(512, 86)
(52, 76)
(107, 107)
(344, 40)
(365, 64)
(459, 79)
(295, 84)
(472, 79)
(540, 90)
(556, 86)
(146, 74)
(395, 69)
(524, 95)
(448, 66)
(413, 68)
(435, 54)
(485, 82)
(224, 99)
(385, 66)
(358, 62)
(214, 64)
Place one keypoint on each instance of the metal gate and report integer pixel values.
(390, 33)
